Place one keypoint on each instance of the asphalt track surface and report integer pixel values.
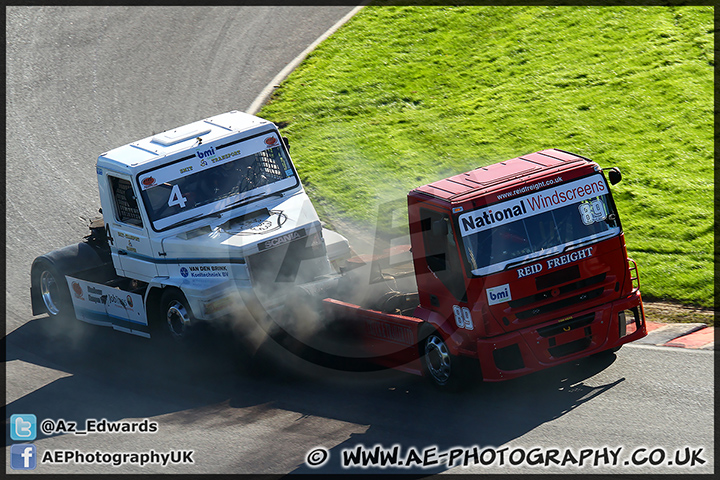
(83, 80)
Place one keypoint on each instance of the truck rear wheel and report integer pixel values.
(447, 371)
(53, 290)
(177, 317)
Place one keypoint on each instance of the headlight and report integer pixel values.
(314, 240)
(628, 321)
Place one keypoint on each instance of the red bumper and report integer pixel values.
(541, 346)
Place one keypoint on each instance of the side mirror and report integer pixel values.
(287, 143)
(614, 175)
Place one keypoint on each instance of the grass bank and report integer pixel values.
(402, 96)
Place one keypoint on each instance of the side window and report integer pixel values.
(441, 251)
(126, 207)
(433, 226)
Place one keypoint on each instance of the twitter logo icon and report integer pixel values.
(23, 427)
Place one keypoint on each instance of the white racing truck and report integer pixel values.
(197, 223)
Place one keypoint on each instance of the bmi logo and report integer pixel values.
(498, 294)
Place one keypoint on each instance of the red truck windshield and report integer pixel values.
(543, 223)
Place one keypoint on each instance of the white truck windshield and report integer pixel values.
(212, 181)
(543, 223)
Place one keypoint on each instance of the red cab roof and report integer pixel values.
(499, 175)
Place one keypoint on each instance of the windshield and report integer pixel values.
(540, 224)
(214, 179)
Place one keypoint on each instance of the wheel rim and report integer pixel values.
(437, 358)
(178, 318)
(49, 292)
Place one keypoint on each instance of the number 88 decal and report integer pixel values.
(592, 212)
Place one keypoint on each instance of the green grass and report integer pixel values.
(402, 96)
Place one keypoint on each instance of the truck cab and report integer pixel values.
(197, 221)
(523, 264)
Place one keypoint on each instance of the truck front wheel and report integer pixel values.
(447, 371)
(53, 290)
(177, 316)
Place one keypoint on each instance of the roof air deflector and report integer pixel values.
(179, 135)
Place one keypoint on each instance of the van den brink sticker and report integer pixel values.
(205, 271)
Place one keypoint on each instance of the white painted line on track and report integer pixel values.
(268, 90)
(666, 348)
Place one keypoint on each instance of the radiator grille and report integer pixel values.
(556, 278)
(565, 302)
(282, 264)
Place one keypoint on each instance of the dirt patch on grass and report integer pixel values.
(666, 312)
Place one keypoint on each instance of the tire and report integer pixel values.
(445, 370)
(52, 289)
(176, 318)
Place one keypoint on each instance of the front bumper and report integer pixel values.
(552, 343)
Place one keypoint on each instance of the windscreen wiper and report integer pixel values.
(243, 201)
(237, 203)
(200, 215)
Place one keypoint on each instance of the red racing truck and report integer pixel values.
(516, 267)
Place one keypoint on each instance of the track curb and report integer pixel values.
(682, 335)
